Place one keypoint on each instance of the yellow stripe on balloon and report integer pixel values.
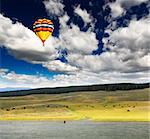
(43, 35)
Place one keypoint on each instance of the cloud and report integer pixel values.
(129, 3)
(126, 61)
(120, 6)
(128, 51)
(59, 66)
(70, 35)
(11, 79)
(131, 45)
(97, 63)
(83, 14)
(77, 41)
(24, 44)
(116, 9)
(134, 37)
(54, 7)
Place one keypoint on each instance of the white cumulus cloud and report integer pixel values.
(131, 44)
(14, 80)
(83, 14)
(24, 44)
(126, 61)
(119, 7)
(77, 41)
(59, 66)
(54, 7)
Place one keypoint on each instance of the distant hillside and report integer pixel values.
(60, 90)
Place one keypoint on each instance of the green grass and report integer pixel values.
(99, 105)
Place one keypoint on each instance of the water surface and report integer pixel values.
(73, 130)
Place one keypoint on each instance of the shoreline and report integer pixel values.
(61, 120)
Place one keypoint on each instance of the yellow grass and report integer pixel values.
(96, 106)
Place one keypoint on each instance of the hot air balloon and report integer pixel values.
(43, 28)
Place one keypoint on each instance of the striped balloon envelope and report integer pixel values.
(43, 28)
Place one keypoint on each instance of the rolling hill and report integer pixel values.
(60, 90)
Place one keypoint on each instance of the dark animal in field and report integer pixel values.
(64, 122)
(128, 110)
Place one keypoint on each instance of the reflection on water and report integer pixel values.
(73, 130)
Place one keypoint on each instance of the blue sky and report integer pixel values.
(94, 42)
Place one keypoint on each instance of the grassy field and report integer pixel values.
(97, 106)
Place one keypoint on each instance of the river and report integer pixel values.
(73, 130)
